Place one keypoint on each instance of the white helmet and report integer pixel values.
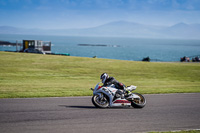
(103, 77)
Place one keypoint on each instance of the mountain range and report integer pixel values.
(117, 29)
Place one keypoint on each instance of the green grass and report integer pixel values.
(35, 75)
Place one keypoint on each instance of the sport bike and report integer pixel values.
(109, 96)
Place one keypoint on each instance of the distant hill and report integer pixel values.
(117, 29)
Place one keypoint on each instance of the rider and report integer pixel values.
(106, 80)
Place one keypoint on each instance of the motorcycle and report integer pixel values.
(110, 96)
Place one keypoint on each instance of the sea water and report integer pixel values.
(120, 48)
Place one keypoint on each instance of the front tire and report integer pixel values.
(100, 102)
(138, 102)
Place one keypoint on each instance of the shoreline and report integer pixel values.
(107, 58)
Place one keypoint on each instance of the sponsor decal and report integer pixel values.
(98, 87)
(122, 101)
(114, 90)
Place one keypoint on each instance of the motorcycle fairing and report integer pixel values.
(105, 91)
(121, 102)
(131, 88)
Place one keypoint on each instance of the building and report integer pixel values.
(36, 45)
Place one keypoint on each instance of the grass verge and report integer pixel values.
(34, 75)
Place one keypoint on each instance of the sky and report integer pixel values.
(68, 14)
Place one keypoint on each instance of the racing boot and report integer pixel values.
(127, 93)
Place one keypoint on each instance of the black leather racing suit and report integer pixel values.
(112, 80)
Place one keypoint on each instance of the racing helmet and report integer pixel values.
(104, 77)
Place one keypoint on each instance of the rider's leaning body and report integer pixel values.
(106, 80)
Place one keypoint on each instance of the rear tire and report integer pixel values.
(138, 103)
(100, 102)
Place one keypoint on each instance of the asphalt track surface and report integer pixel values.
(163, 112)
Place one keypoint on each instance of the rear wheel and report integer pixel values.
(100, 102)
(139, 102)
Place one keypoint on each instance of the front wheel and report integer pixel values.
(139, 102)
(100, 102)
